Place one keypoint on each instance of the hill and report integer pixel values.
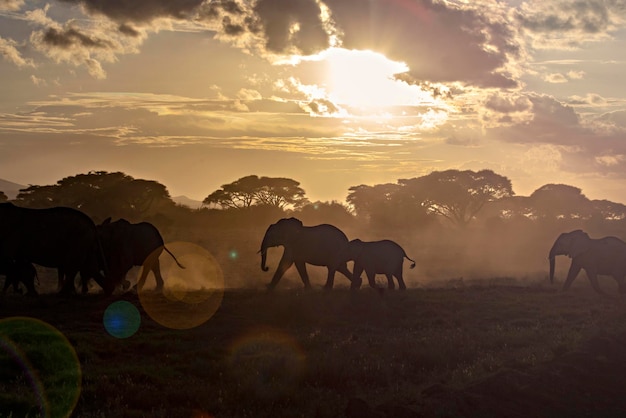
(184, 200)
(10, 189)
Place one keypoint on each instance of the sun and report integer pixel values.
(363, 78)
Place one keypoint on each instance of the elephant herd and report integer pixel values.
(68, 240)
(326, 245)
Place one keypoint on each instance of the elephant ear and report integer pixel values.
(580, 244)
(106, 221)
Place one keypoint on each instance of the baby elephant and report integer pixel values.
(377, 257)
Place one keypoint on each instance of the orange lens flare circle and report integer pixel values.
(267, 363)
(191, 294)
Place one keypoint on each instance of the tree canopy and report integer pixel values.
(253, 190)
(100, 194)
(458, 195)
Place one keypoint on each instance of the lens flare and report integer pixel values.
(267, 363)
(191, 295)
(49, 362)
(121, 319)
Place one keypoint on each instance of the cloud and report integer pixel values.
(83, 43)
(569, 24)
(138, 11)
(11, 5)
(441, 42)
(9, 51)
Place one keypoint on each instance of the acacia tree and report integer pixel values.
(457, 195)
(560, 201)
(253, 190)
(100, 194)
(387, 205)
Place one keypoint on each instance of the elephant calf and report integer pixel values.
(377, 257)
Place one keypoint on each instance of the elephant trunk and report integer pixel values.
(263, 252)
(264, 259)
(552, 257)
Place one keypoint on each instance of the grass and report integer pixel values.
(293, 353)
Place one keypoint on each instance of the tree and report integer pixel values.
(367, 200)
(387, 206)
(253, 190)
(100, 194)
(560, 201)
(457, 195)
(325, 212)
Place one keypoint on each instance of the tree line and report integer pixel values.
(446, 198)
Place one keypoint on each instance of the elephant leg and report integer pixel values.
(156, 270)
(574, 269)
(343, 269)
(145, 269)
(371, 278)
(304, 275)
(401, 283)
(60, 275)
(84, 280)
(68, 282)
(7, 282)
(283, 265)
(593, 278)
(621, 284)
(356, 276)
(390, 284)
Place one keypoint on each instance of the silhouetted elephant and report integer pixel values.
(16, 272)
(126, 245)
(320, 245)
(604, 256)
(377, 257)
(57, 237)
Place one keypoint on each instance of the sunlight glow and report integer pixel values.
(365, 79)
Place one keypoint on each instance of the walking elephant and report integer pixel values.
(17, 272)
(58, 237)
(604, 256)
(377, 257)
(133, 244)
(320, 245)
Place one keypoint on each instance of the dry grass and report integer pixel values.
(294, 353)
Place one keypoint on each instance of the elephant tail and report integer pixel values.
(412, 266)
(174, 257)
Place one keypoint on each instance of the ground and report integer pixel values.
(491, 348)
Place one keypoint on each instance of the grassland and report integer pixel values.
(490, 349)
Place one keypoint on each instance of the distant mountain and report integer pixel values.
(10, 189)
(184, 200)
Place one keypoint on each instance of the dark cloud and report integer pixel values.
(230, 28)
(140, 11)
(289, 25)
(438, 41)
(70, 37)
(128, 30)
(589, 16)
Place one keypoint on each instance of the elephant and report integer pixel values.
(377, 257)
(320, 245)
(604, 256)
(57, 237)
(16, 272)
(133, 244)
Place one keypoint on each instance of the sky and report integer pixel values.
(331, 93)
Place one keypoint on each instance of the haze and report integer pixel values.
(332, 93)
